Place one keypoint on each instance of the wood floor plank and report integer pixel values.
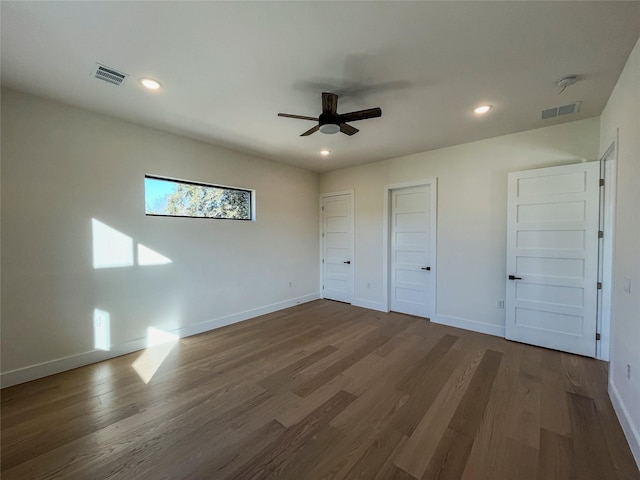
(424, 366)
(375, 369)
(554, 459)
(360, 423)
(488, 456)
(272, 458)
(449, 460)
(453, 450)
(300, 407)
(283, 377)
(142, 432)
(338, 367)
(372, 410)
(340, 451)
(389, 469)
(376, 456)
(554, 412)
(426, 391)
(522, 461)
(396, 473)
(307, 458)
(213, 464)
(416, 453)
(593, 459)
(40, 441)
(316, 392)
(469, 412)
(524, 413)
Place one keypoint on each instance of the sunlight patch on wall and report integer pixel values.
(101, 330)
(114, 249)
(111, 248)
(146, 256)
(159, 345)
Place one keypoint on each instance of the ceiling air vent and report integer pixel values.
(561, 110)
(109, 74)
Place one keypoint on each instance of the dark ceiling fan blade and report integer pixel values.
(311, 130)
(301, 117)
(329, 103)
(360, 115)
(348, 129)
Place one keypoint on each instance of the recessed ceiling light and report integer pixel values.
(324, 152)
(150, 83)
(482, 109)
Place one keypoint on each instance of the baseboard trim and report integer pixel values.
(467, 324)
(33, 372)
(242, 316)
(379, 306)
(629, 429)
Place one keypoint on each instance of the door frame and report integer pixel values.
(351, 194)
(608, 164)
(386, 241)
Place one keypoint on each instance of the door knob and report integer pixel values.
(348, 262)
(513, 277)
(425, 268)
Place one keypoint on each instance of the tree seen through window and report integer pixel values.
(166, 197)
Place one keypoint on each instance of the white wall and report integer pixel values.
(471, 232)
(63, 167)
(621, 119)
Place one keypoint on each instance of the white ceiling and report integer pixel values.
(228, 68)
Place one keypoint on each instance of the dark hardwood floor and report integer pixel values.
(321, 391)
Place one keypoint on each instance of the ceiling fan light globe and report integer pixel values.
(329, 128)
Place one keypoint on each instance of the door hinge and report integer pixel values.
(323, 208)
(322, 234)
(599, 285)
(597, 336)
(323, 287)
(600, 234)
(602, 182)
(323, 260)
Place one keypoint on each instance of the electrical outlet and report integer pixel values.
(290, 284)
(368, 285)
(628, 371)
(501, 304)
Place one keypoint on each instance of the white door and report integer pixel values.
(337, 247)
(412, 275)
(552, 257)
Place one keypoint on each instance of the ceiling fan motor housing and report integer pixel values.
(328, 124)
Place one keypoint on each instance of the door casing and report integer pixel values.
(608, 164)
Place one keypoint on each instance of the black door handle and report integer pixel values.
(513, 277)
(425, 268)
(348, 262)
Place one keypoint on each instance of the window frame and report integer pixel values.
(251, 192)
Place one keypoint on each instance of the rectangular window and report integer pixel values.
(167, 197)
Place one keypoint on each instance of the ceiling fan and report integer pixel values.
(330, 121)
